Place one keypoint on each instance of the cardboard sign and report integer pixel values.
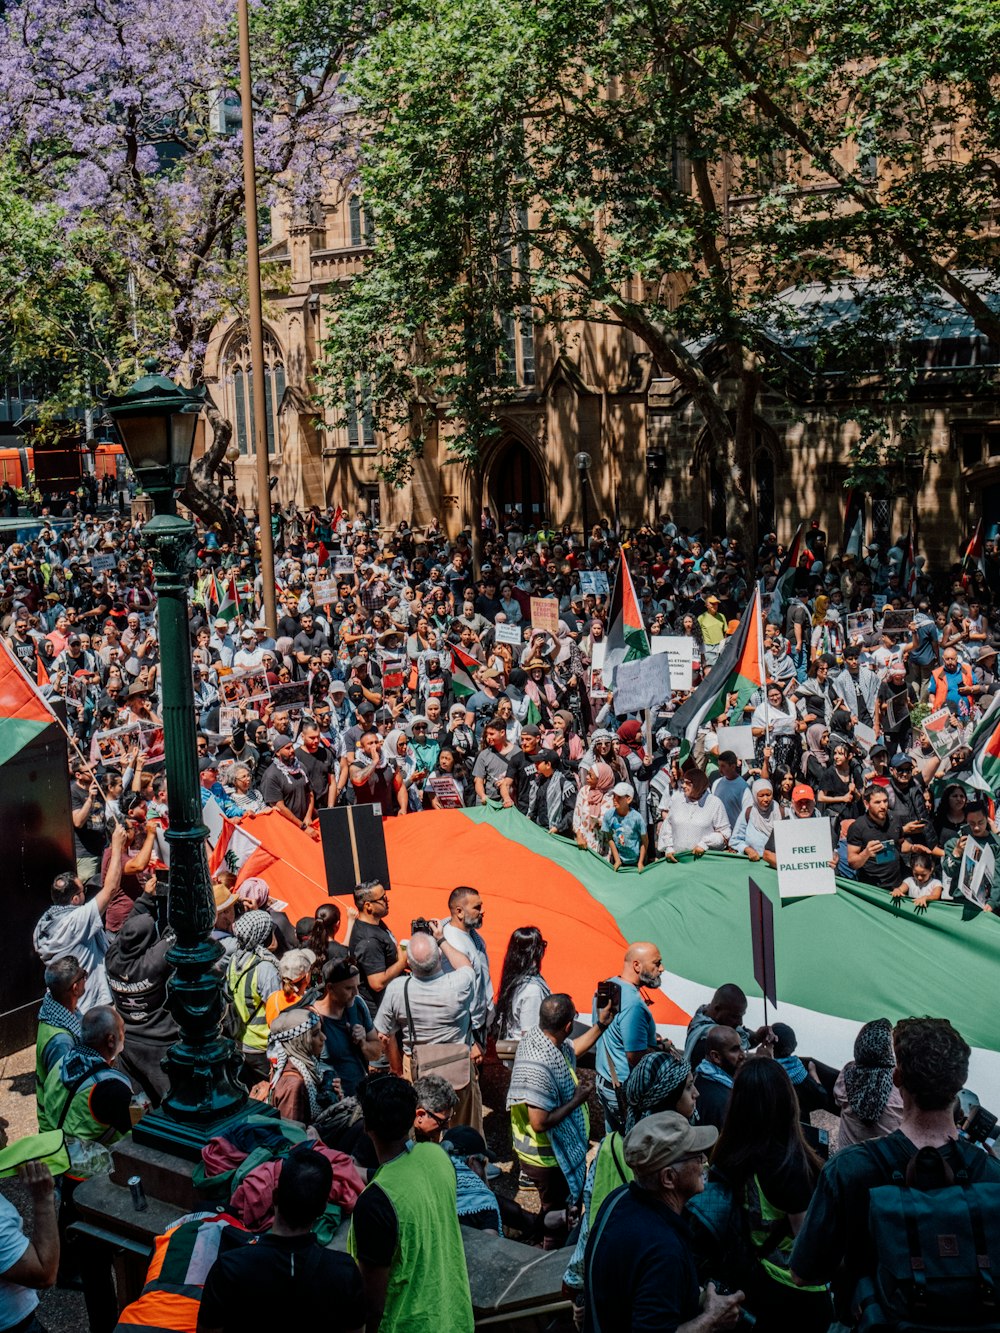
(100, 564)
(505, 633)
(593, 581)
(679, 648)
(545, 615)
(762, 935)
(642, 684)
(737, 739)
(324, 592)
(803, 848)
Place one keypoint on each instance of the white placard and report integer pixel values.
(680, 650)
(343, 564)
(804, 848)
(593, 581)
(737, 739)
(865, 736)
(597, 655)
(975, 876)
(506, 633)
(644, 683)
(100, 564)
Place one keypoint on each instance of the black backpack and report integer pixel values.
(937, 1242)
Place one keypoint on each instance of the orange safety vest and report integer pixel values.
(176, 1277)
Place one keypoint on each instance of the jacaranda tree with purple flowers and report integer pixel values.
(121, 204)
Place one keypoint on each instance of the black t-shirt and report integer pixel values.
(318, 767)
(522, 769)
(313, 643)
(88, 840)
(897, 700)
(259, 1284)
(288, 627)
(374, 950)
(376, 1227)
(886, 870)
(276, 787)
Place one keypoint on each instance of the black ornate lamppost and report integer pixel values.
(157, 420)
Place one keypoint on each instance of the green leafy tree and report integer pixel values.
(667, 170)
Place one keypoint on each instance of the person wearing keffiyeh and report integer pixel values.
(546, 1100)
(59, 1023)
(294, 1045)
(871, 1105)
(285, 787)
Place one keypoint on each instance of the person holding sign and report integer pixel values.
(803, 807)
(975, 833)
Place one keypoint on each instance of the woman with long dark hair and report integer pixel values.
(771, 1172)
(522, 986)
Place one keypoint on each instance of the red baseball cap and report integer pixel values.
(802, 792)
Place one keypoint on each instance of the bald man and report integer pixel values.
(632, 1031)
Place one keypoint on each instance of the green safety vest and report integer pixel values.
(248, 1003)
(531, 1145)
(67, 1105)
(428, 1276)
(765, 1229)
(46, 1032)
(610, 1170)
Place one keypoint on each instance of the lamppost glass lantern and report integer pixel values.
(157, 420)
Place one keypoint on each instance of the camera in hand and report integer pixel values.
(981, 1125)
(421, 926)
(746, 1319)
(609, 992)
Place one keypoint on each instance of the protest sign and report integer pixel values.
(860, 625)
(897, 622)
(240, 685)
(324, 592)
(804, 848)
(897, 709)
(975, 876)
(151, 742)
(598, 686)
(879, 600)
(679, 649)
(593, 581)
(642, 684)
(545, 614)
(943, 732)
(508, 633)
(229, 717)
(737, 739)
(762, 935)
(865, 736)
(446, 791)
(100, 564)
(112, 747)
(343, 564)
(597, 655)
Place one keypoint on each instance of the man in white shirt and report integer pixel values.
(462, 933)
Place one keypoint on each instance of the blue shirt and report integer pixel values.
(349, 1064)
(631, 1029)
(627, 832)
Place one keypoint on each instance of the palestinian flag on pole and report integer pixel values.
(974, 555)
(854, 524)
(24, 712)
(739, 670)
(462, 667)
(784, 587)
(626, 636)
(909, 579)
(983, 739)
(229, 602)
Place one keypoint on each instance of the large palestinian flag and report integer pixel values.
(840, 959)
(784, 585)
(626, 636)
(738, 670)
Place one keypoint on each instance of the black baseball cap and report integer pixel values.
(464, 1141)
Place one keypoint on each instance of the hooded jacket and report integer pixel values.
(137, 971)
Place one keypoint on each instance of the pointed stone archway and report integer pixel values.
(515, 483)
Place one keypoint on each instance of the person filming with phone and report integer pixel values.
(631, 1032)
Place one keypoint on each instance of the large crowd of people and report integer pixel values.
(407, 673)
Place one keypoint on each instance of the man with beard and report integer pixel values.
(286, 786)
(632, 1031)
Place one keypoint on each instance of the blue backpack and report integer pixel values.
(937, 1241)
